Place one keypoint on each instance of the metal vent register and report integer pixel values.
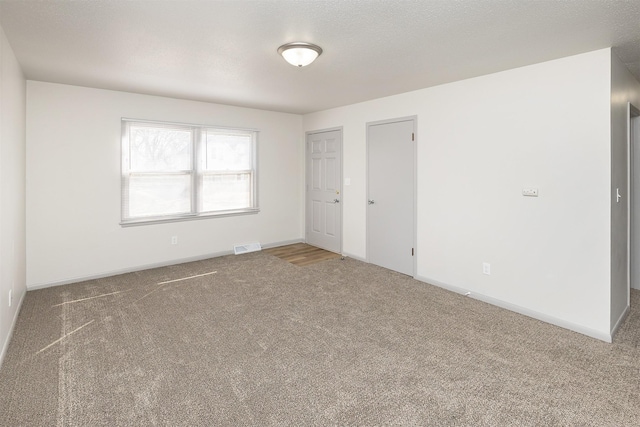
(249, 247)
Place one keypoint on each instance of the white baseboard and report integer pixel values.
(148, 266)
(602, 336)
(5, 345)
(620, 320)
(348, 255)
(283, 243)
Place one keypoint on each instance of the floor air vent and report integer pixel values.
(243, 249)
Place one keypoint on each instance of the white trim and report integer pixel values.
(282, 243)
(621, 319)
(593, 333)
(348, 255)
(149, 266)
(5, 345)
(632, 114)
(188, 217)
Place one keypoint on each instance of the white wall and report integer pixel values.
(480, 142)
(624, 89)
(73, 184)
(12, 190)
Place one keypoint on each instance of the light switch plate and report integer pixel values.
(486, 268)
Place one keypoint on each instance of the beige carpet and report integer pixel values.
(262, 342)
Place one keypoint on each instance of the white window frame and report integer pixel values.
(197, 173)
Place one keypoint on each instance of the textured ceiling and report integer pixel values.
(225, 51)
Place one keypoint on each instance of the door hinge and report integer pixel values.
(413, 136)
(412, 251)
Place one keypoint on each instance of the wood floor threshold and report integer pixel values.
(301, 254)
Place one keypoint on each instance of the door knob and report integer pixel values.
(371, 202)
(336, 201)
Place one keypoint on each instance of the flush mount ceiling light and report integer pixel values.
(299, 54)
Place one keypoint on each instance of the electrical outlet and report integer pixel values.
(530, 192)
(10, 297)
(486, 268)
(174, 240)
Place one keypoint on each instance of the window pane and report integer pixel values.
(225, 192)
(229, 152)
(160, 163)
(159, 149)
(157, 195)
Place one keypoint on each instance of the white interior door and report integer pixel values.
(324, 177)
(390, 210)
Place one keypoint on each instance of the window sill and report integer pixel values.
(166, 219)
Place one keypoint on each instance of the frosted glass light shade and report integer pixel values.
(299, 54)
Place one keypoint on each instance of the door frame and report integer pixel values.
(413, 119)
(307, 181)
(633, 169)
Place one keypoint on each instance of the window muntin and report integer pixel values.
(173, 171)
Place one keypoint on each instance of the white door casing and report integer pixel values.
(634, 178)
(324, 190)
(391, 197)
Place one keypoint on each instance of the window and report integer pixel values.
(177, 171)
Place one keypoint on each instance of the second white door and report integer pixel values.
(390, 210)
